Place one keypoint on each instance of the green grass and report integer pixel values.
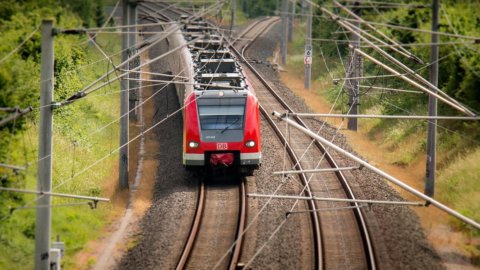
(458, 186)
(74, 148)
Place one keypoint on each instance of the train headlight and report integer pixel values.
(193, 144)
(250, 144)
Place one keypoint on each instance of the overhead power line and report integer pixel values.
(452, 102)
(27, 38)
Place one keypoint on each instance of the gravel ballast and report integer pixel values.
(164, 228)
(398, 236)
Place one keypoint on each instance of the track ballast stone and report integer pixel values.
(398, 237)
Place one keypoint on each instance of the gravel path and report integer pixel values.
(398, 236)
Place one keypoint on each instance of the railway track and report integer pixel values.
(342, 239)
(221, 211)
(219, 220)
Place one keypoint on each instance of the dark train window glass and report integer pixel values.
(221, 122)
(221, 114)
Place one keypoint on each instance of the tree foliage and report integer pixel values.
(20, 74)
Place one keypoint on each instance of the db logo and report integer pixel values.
(222, 146)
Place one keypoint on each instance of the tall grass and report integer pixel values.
(458, 185)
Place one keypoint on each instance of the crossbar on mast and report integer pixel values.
(417, 117)
(325, 199)
(55, 194)
(387, 176)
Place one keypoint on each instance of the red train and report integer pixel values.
(221, 112)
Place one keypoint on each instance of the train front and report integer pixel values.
(222, 130)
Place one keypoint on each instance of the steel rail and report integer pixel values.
(317, 233)
(240, 227)
(187, 250)
(189, 245)
(367, 241)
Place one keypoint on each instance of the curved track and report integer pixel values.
(343, 239)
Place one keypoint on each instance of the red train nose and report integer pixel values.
(225, 159)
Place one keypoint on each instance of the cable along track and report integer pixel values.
(342, 239)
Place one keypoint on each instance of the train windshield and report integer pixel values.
(221, 113)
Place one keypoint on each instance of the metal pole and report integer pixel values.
(308, 46)
(234, 15)
(400, 50)
(414, 83)
(132, 40)
(291, 21)
(45, 142)
(360, 33)
(283, 48)
(354, 70)
(388, 177)
(124, 102)
(432, 108)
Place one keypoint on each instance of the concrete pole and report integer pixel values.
(432, 108)
(308, 44)
(291, 21)
(354, 71)
(45, 142)
(124, 102)
(283, 48)
(132, 40)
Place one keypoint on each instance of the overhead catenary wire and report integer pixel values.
(62, 182)
(419, 44)
(459, 53)
(390, 178)
(86, 90)
(277, 189)
(438, 126)
(449, 100)
(414, 83)
(385, 3)
(474, 38)
(391, 89)
(73, 97)
(121, 116)
(27, 38)
(400, 49)
(283, 222)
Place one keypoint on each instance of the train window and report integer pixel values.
(221, 122)
(221, 114)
